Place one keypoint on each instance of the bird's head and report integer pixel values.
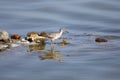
(63, 30)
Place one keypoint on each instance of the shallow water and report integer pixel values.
(82, 59)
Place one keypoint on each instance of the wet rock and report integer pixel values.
(35, 36)
(23, 41)
(100, 40)
(15, 36)
(31, 36)
(4, 40)
(4, 36)
(44, 34)
(4, 46)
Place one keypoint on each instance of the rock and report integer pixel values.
(4, 40)
(100, 40)
(63, 43)
(4, 36)
(31, 36)
(44, 34)
(15, 36)
(4, 46)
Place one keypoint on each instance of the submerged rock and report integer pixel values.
(64, 42)
(100, 40)
(4, 46)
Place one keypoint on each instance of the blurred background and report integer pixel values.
(20, 16)
(83, 58)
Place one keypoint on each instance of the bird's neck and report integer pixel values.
(61, 32)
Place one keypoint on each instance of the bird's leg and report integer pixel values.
(52, 46)
(52, 50)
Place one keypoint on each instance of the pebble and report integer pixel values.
(15, 36)
(100, 40)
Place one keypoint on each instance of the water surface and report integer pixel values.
(83, 58)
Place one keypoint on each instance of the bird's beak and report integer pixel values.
(66, 31)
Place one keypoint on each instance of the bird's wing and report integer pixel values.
(52, 35)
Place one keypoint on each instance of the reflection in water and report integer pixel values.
(51, 55)
(63, 43)
(38, 46)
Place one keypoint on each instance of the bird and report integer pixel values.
(55, 35)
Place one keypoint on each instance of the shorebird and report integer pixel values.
(55, 35)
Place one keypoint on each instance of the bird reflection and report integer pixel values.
(34, 47)
(51, 55)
